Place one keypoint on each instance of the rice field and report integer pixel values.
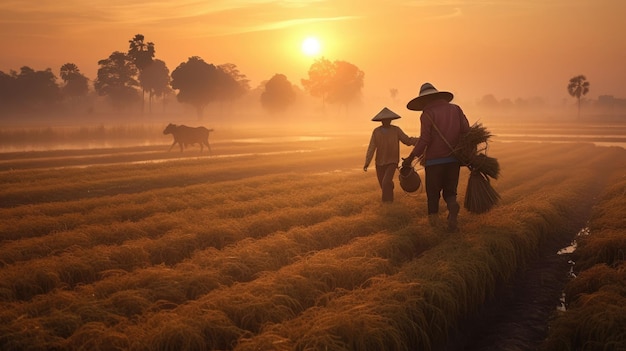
(280, 245)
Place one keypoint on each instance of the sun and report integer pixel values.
(311, 46)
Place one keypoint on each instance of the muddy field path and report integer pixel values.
(282, 245)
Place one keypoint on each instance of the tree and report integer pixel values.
(337, 82)
(346, 84)
(7, 91)
(578, 87)
(319, 83)
(29, 90)
(116, 80)
(155, 79)
(233, 84)
(76, 84)
(35, 89)
(197, 83)
(278, 94)
(488, 101)
(142, 55)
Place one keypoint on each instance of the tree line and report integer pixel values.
(135, 77)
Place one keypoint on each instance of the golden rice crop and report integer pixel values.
(274, 252)
(98, 336)
(606, 246)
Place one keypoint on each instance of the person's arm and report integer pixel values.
(370, 152)
(424, 139)
(405, 139)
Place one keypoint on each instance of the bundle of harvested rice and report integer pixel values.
(467, 147)
(486, 165)
(480, 196)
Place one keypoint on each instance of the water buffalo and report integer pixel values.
(184, 136)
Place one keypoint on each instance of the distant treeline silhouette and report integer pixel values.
(127, 79)
(603, 104)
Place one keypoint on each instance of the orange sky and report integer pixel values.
(507, 48)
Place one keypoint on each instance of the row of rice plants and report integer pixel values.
(595, 318)
(525, 168)
(184, 235)
(161, 283)
(64, 209)
(287, 215)
(21, 187)
(114, 220)
(277, 294)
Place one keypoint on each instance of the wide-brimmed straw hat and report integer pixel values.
(385, 113)
(427, 94)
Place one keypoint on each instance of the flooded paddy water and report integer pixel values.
(608, 134)
(100, 137)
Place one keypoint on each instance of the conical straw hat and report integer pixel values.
(427, 94)
(385, 113)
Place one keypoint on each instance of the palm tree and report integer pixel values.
(578, 87)
(76, 84)
(142, 55)
(68, 70)
(155, 79)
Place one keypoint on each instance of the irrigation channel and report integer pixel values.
(518, 318)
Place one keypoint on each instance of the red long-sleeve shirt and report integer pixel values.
(452, 123)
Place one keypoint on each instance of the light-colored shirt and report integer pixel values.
(385, 143)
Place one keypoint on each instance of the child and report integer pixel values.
(385, 142)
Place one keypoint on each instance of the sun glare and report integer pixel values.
(311, 46)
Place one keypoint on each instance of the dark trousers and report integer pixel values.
(385, 175)
(442, 178)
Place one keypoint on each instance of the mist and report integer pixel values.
(96, 124)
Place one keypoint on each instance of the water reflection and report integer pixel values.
(562, 136)
(568, 250)
(34, 146)
(105, 144)
(281, 139)
(618, 140)
(596, 139)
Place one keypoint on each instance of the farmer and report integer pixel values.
(441, 126)
(385, 142)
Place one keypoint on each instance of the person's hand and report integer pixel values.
(364, 168)
(407, 162)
